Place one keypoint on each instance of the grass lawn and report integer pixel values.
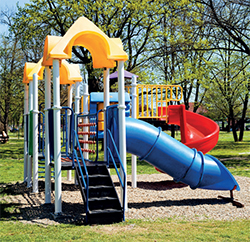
(233, 155)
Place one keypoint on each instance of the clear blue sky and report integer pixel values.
(10, 4)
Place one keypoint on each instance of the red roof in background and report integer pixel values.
(200, 109)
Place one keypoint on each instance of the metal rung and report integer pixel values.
(87, 125)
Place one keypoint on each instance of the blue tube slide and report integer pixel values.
(177, 160)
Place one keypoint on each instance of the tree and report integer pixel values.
(132, 21)
(229, 86)
(11, 90)
(175, 56)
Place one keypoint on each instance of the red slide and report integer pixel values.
(197, 131)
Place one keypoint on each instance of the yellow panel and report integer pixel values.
(100, 116)
(100, 126)
(100, 106)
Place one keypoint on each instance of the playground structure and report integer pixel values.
(121, 133)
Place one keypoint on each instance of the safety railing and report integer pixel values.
(110, 154)
(67, 129)
(112, 138)
(152, 100)
(85, 181)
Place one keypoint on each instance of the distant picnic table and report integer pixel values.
(3, 137)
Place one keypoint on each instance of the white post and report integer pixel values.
(47, 143)
(29, 180)
(134, 115)
(77, 110)
(69, 113)
(106, 103)
(35, 133)
(26, 114)
(85, 120)
(57, 136)
(122, 130)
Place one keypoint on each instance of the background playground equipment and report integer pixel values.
(101, 201)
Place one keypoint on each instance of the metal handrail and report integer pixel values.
(123, 183)
(119, 158)
(74, 156)
(66, 131)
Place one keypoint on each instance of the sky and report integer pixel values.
(10, 4)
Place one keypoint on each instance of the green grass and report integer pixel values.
(234, 155)
(133, 230)
(11, 159)
(11, 170)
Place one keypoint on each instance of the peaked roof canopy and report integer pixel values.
(104, 50)
(69, 73)
(30, 69)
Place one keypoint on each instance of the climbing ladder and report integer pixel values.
(102, 204)
(101, 200)
(88, 135)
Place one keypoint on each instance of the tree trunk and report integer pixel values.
(233, 125)
(242, 123)
(172, 130)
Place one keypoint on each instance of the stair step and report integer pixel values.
(105, 211)
(98, 169)
(101, 191)
(99, 180)
(102, 199)
(107, 216)
(104, 203)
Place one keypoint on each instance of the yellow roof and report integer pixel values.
(69, 73)
(49, 44)
(104, 50)
(30, 69)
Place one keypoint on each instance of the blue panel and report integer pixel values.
(98, 97)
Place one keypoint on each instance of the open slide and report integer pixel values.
(197, 131)
(176, 159)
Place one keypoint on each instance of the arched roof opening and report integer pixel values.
(104, 50)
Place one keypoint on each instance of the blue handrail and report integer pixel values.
(123, 183)
(67, 139)
(119, 158)
(74, 156)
